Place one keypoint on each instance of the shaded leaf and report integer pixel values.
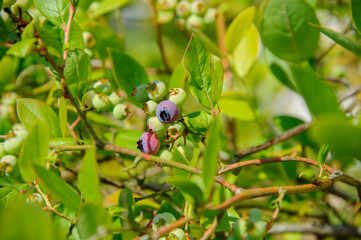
(190, 190)
(178, 157)
(10, 195)
(22, 49)
(107, 6)
(34, 150)
(236, 107)
(356, 13)
(199, 121)
(88, 178)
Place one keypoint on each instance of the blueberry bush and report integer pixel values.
(180, 119)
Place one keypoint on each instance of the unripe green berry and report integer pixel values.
(35, 199)
(9, 98)
(8, 160)
(183, 9)
(150, 107)
(89, 39)
(186, 151)
(156, 90)
(198, 7)
(2, 150)
(156, 126)
(166, 5)
(21, 132)
(102, 86)
(13, 145)
(162, 219)
(5, 111)
(178, 96)
(176, 234)
(121, 111)
(210, 16)
(165, 154)
(116, 97)
(175, 131)
(88, 99)
(194, 21)
(101, 102)
(140, 93)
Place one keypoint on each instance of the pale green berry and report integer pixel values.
(89, 39)
(121, 111)
(13, 145)
(165, 154)
(175, 131)
(180, 142)
(9, 98)
(198, 7)
(176, 234)
(178, 96)
(194, 21)
(18, 126)
(210, 16)
(149, 107)
(162, 219)
(186, 151)
(2, 150)
(5, 111)
(156, 90)
(102, 86)
(88, 99)
(140, 93)
(183, 9)
(101, 102)
(166, 5)
(21, 132)
(9, 160)
(156, 126)
(116, 97)
(35, 199)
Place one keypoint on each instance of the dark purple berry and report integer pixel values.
(167, 112)
(149, 143)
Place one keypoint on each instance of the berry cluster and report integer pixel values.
(9, 150)
(189, 14)
(102, 98)
(165, 123)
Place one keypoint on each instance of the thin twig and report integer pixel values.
(350, 93)
(209, 232)
(153, 195)
(286, 135)
(164, 230)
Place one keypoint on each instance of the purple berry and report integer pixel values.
(167, 112)
(149, 143)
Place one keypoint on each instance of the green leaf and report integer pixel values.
(77, 71)
(343, 137)
(88, 178)
(285, 123)
(208, 43)
(286, 31)
(28, 222)
(255, 215)
(8, 68)
(199, 121)
(128, 73)
(178, 77)
(76, 36)
(91, 218)
(342, 40)
(356, 13)
(246, 52)
(210, 159)
(30, 110)
(238, 28)
(63, 116)
(236, 107)
(126, 201)
(322, 155)
(53, 45)
(319, 98)
(22, 49)
(178, 157)
(9, 196)
(191, 191)
(107, 6)
(59, 188)
(56, 11)
(206, 73)
(98, 118)
(127, 138)
(34, 150)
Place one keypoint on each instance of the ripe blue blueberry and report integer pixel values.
(167, 112)
(149, 143)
